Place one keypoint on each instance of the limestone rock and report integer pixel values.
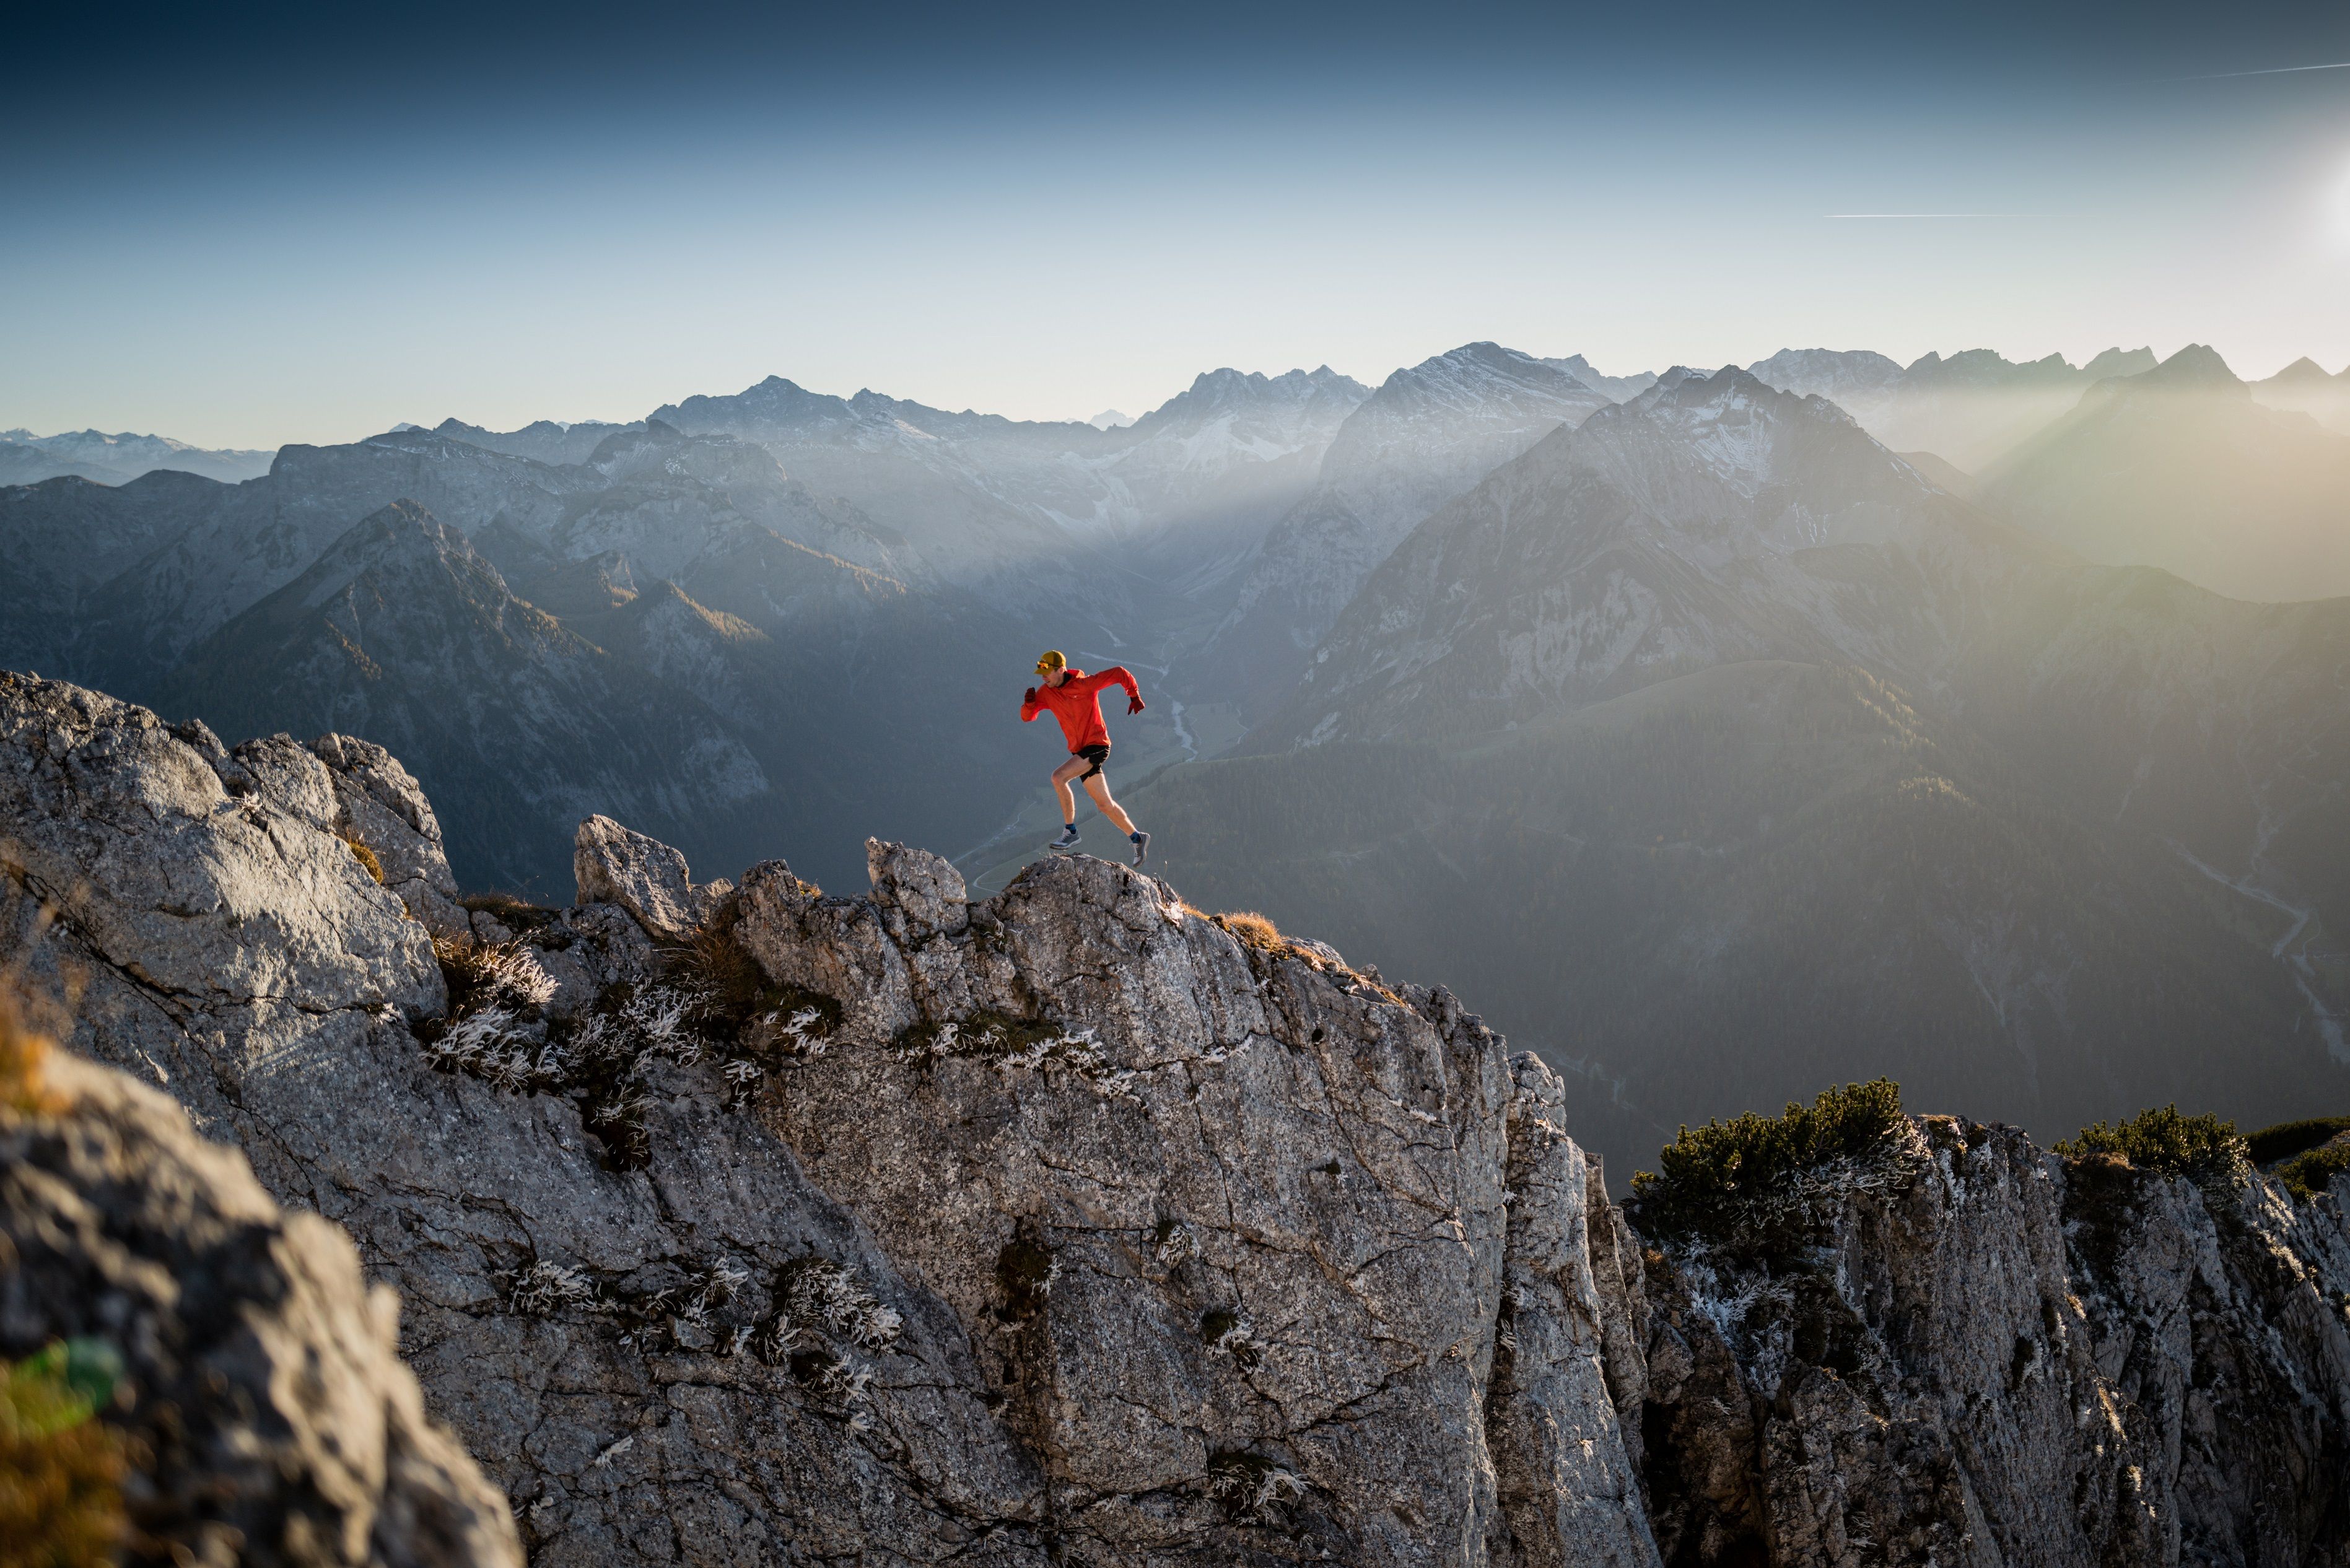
(268, 1410)
(1066, 1227)
(615, 864)
(2005, 1358)
(380, 804)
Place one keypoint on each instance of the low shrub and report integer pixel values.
(2307, 1174)
(1711, 1179)
(2286, 1139)
(2204, 1150)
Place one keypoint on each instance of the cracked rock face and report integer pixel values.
(261, 1387)
(1075, 1229)
(746, 1225)
(2003, 1357)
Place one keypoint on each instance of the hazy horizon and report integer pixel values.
(265, 229)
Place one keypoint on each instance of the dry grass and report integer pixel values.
(1258, 931)
(22, 1049)
(1253, 930)
(366, 858)
(711, 961)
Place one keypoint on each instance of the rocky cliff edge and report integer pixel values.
(751, 1223)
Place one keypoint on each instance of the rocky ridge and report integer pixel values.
(1074, 1225)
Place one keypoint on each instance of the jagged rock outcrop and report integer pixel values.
(1074, 1226)
(615, 864)
(1063, 1225)
(1990, 1355)
(251, 1377)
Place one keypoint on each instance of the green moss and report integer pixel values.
(2286, 1139)
(1717, 1177)
(2204, 1150)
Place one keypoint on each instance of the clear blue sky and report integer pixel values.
(266, 224)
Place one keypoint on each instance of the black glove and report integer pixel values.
(1134, 704)
(1029, 695)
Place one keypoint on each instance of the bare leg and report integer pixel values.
(1061, 778)
(1099, 787)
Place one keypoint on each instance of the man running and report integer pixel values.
(1071, 694)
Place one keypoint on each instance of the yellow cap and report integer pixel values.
(1050, 662)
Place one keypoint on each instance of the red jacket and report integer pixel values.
(1074, 703)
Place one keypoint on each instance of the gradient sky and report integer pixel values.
(250, 225)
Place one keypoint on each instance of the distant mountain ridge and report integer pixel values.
(118, 459)
(1429, 432)
(1968, 409)
(2304, 387)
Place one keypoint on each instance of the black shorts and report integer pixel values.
(1097, 755)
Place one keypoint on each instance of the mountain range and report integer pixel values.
(1725, 752)
(1728, 731)
(28, 459)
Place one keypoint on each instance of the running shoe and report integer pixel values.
(1069, 837)
(1141, 847)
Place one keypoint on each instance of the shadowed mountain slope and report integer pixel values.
(661, 707)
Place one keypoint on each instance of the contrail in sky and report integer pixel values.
(2272, 71)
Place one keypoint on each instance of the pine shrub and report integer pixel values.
(1723, 1175)
(2204, 1150)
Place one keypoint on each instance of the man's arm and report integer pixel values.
(1029, 706)
(1117, 674)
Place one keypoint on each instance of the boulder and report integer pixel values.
(616, 865)
(248, 1377)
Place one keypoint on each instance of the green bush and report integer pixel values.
(2202, 1148)
(2286, 1139)
(2307, 1174)
(1711, 1174)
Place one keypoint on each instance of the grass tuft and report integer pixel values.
(366, 858)
(514, 913)
(1252, 1489)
